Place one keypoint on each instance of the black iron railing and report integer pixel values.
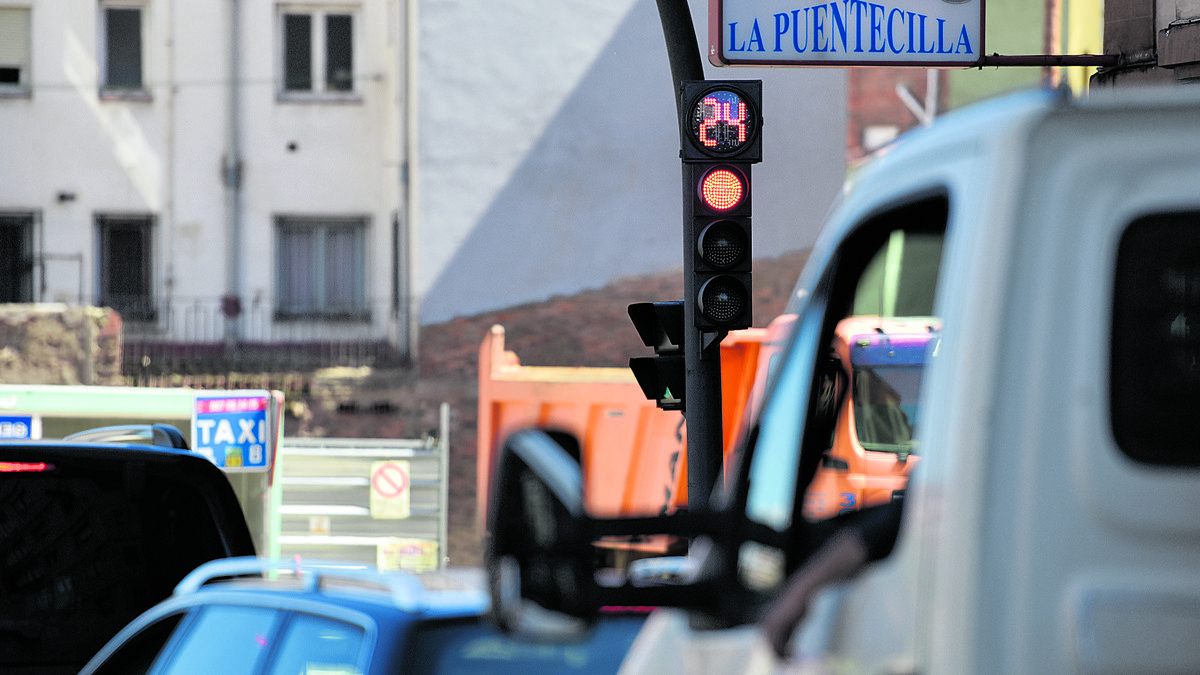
(199, 337)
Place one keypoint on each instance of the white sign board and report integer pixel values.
(390, 481)
(845, 32)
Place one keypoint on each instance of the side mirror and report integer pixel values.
(546, 555)
(538, 549)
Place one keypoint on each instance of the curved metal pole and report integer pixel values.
(683, 51)
(702, 352)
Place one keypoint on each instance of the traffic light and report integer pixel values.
(721, 139)
(660, 325)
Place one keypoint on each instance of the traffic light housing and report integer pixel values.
(660, 325)
(720, 141)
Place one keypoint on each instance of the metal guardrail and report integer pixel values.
(381, 502)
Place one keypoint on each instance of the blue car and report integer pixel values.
(254, 616)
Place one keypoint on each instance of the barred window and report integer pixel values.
(125, 265)
(320, 268)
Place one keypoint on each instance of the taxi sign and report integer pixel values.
(845, 32)
(15, 427)
(233, 430)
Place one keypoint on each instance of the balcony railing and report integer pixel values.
(196, 337)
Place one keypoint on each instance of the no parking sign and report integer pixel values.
(389, 489)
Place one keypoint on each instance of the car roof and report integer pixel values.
(409, 619)
(449, 592)
(385, 604)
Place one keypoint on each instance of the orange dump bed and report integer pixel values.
(634, 455)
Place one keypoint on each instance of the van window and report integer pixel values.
(883, 275)
(1155, 390)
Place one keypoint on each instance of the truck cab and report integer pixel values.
(1050, 526)
(875, 381)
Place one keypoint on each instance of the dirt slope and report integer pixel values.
(590, 328)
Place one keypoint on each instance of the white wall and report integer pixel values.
(557, 169)
(163, 156)
(548, 149)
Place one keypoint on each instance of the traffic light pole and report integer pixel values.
(727, 298)
(719, 141)
(702, 387)
(702, 366)
(683, 51)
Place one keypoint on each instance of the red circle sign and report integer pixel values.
(390, 481)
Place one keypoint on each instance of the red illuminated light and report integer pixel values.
(20, 467)
(722, 189)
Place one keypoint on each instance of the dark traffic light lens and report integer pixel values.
(722, 299)
(723, 244)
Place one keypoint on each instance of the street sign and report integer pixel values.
(232, 430)
(407, 553)
(18, 427)
(389, 489)
(928, 33)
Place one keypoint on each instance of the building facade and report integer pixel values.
(186, 163)
(1158, 42)
(229, 173)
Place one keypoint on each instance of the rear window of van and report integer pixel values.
(87, 543)
(1155, 383)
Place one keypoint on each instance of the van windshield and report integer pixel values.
(886, 406)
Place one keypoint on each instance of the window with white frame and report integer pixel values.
(14, 49)
(319, 268)
(121, 33)
(317, 51)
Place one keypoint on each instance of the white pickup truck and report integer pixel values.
(1052, 524)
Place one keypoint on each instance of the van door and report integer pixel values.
(887, 265)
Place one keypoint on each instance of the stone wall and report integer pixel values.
(59, 344)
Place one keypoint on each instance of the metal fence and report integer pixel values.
(380, 502)
(196, 336)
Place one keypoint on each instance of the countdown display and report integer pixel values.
(722, 122)
(720, 129)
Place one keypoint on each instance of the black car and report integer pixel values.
(92, 534)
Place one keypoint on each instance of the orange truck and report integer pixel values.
(634, 455)
(878, 364)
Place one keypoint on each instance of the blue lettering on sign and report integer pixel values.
(855, 27)
(232, 432)
(16, 426)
